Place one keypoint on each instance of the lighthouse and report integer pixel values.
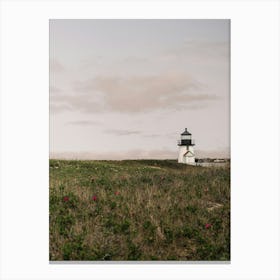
(186, 148)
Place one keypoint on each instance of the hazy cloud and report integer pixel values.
(55, 66)
(54, 90)
(70, 102)
(202, 50)
(134, 94)
(60, 107)
(120, 132)
(152, 135)
(83, 123)
(164, 135)
(134, 60)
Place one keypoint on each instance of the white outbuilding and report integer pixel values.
(186, 148)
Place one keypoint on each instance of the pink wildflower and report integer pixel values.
(207, 226)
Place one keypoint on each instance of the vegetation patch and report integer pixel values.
(138, 210)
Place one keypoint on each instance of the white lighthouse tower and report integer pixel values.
(186, 148)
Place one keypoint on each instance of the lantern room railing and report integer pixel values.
(183, 142)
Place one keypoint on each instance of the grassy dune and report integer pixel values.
(138, 210)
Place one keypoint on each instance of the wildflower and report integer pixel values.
(65, 198)
(207, 226)
(117, 193)
(94, 198)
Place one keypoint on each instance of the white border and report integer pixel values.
(24, 138)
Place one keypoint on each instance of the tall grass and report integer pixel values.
(138, 210)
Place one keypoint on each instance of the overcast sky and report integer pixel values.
(128, 88)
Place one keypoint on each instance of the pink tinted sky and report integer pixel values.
(128, 88)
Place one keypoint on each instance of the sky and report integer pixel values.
(127, 89)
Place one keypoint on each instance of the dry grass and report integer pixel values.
(142, 210)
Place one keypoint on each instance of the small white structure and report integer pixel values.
(186, 148)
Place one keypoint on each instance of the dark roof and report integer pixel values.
(186, 132)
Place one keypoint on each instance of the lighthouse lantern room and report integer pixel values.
(186, 148)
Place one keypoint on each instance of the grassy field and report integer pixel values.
(138, 210)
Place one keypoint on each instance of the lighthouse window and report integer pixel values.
(186, 137)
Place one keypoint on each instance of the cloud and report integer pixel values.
(55, 66)
(134, 94)
(152, 135)
(123, 132)
(54, 90)
(120, 132)
(68, 102)
(83, 123)
(200, 51)
(147, 93)
(58, 108)
(135, 60)
(165, 135)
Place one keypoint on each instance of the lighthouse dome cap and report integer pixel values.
(186, 132)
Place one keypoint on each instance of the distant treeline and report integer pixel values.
(212, 160)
